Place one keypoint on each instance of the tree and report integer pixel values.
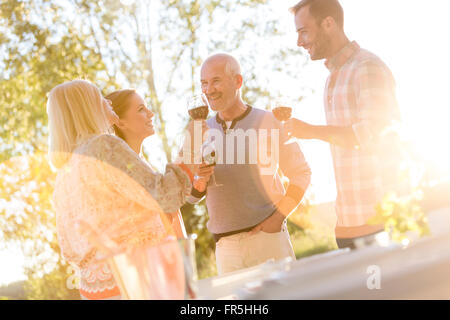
(158, 46)
(38, 52)
(154, 46)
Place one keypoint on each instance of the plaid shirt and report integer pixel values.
(360, 92)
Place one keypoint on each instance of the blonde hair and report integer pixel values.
(75, 113)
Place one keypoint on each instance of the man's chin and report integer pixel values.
(215, 108)
(315, 57)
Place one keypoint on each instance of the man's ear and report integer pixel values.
(239, 81)
(328, 23)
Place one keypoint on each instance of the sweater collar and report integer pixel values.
(235, 120)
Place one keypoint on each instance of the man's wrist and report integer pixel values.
(279, 216)
(197, 193)
(319, 132)
(309, 131)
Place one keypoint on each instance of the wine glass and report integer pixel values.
(198, 109)
(282, 110)
(148, 271)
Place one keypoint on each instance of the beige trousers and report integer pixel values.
(242, 250)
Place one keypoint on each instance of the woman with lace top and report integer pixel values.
(103, 183)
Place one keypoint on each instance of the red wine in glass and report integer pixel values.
(282, 113)
(198, 108)
(199, 113)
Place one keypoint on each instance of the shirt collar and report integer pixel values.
(340, 58)
(242, 116)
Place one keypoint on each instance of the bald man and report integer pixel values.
(248, 205)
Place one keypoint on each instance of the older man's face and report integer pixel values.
(221, 88)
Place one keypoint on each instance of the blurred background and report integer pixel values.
(157, 47)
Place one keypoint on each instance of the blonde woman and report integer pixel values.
(104, 183)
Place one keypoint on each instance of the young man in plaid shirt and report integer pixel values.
(361, 107)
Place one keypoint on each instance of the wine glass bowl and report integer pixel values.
(282, 113)
(198, 107)
(281, 109)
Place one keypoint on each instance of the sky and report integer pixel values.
(409, 36)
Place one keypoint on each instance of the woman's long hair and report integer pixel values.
(75, 112)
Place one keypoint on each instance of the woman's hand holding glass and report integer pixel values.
(205, 170)
(198, 109)
(202, 176)
(190, 153)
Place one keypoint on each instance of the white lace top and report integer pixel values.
(107, 185)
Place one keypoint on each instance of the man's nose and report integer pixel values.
(208, 89)
(300, 42)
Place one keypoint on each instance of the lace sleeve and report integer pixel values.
(169, 189)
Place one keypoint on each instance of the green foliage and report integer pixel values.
(158, 46)
(309, 234)
(28, 183)
(299, 220)
(52, 286)
(311, 229)
(312, 241)
(39, 52)
(195, 218)
(401, 216)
